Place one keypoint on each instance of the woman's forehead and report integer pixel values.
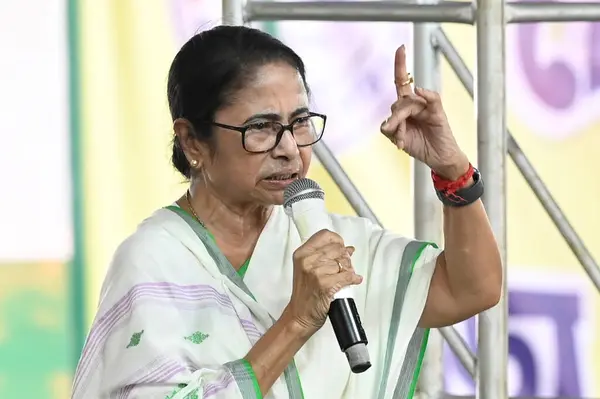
(274, 89)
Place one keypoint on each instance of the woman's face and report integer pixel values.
(277, 94)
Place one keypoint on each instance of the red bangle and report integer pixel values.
(449, 186)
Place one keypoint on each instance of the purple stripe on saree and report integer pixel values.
(187, 297)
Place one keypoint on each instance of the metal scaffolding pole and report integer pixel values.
(556, 214)
(427, 207)
(492, 340)
(233, 12)
(460, 348)
(342, 180)
(392, 11)
(532, 178)
(364, 11)
(551, 11)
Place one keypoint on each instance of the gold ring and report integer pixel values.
(340, 266)
(407, 82)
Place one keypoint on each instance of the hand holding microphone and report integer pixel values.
(321, 272)
(322, 267)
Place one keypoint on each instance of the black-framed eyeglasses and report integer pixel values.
(261, 137)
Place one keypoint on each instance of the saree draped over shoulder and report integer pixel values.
(175, 319)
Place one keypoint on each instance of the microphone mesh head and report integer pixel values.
(302, 189)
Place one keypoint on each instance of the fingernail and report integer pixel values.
(351, 250)
(402, 47)
(385, 123)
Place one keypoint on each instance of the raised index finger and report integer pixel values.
(401, 77)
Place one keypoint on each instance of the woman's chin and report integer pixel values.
(272, 191)
(277, 198)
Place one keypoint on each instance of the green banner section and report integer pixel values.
(34, 333)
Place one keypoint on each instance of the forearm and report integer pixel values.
(474, 268)
(275, 350)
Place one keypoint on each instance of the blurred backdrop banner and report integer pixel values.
(85, 157)
(36, 224)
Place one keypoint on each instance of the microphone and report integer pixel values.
(304, 201)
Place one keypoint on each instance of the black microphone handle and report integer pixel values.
(348, 330)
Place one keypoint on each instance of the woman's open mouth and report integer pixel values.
(280, 181)
(280, 177)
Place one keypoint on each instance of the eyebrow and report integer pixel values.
(276, 117)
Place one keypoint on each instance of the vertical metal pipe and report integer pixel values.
(233, 12)
(427, 208)
(491, 138)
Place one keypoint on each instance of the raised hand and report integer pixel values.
(418, 125)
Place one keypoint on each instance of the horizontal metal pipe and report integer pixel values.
(532, 178)
(551, 11)
(390, 11)
(460, 349)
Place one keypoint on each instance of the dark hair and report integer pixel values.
(212, 66)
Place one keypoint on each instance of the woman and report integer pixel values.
(216, 296)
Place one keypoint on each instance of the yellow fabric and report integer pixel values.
(127, 173)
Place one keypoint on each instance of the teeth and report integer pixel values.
(280, 177)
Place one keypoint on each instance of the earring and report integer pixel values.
(194, 163)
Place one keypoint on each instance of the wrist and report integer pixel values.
(460, 192)
(271, 354)
(294, 327)
(453, 171)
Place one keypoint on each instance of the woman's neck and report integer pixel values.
(234, 223)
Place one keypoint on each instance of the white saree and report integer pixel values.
(175, 319)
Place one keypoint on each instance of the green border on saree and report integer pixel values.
(244, 377)
(413, 385)
(412, 253)
(294, 385)
(254, 379)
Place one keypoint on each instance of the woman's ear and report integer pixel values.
(195, 151)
